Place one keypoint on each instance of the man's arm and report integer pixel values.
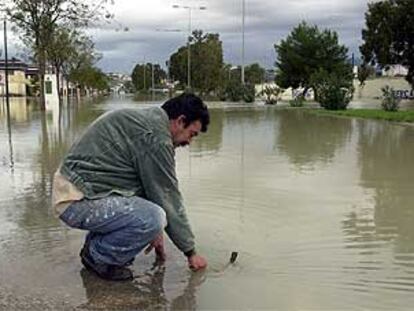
(156, 166)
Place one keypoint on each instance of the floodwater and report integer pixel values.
(320, 210)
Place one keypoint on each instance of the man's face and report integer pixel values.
(182, 135)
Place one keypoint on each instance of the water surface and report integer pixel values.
(320, 210)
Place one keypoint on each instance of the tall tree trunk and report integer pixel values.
(67, 89)
(58, 85)
(42, 68)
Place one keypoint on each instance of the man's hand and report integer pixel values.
(196, 262)
(158, 245)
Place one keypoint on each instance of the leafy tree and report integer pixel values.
(389, 34)
(305, 51)
(61, 49)
(142, 76)
(37, 19)
(364, 72)
(89, 77)
(254, 73)
(80, 66)
(206, 62)
(234, 90)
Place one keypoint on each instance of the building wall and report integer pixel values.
(17, 83)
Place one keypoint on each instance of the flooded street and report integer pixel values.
(320, 210)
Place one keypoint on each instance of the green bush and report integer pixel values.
(234, 91)
(332, 92)
(389, 101)
(248, 93)
(298, 101)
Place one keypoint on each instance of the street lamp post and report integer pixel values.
(242, 56)
(6, 68)
(189, 8)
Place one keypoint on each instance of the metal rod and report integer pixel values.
(6, 68)
(152, 80)
(188, 51)
(242, 60)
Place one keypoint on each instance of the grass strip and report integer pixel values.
(397, 116)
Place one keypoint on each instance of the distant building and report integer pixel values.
(23, 80)
(395, 71)
(17, 77)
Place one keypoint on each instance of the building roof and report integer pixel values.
(13, 64)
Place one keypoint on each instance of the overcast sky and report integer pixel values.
(266, 23)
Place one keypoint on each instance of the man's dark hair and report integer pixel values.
(189, 105)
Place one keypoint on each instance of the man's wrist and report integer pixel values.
(190, 253)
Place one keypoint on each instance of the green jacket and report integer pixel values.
(130, 152)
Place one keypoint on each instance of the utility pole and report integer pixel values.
(242, 65)
(152, 80)
(189, 8)
(6, 69)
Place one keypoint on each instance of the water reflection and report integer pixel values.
(386, 155)
(212, 140)
(145, 292)
(307, 139)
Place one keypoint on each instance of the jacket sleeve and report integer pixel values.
(156, 166)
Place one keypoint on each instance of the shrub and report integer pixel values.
(364, 72)
(248, 93)
(271, 94)
(332, 92)
(298, 101)
(390, 102)
(234, 91)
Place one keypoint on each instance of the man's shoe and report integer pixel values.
(105, 271)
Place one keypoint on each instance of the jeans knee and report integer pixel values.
(151, 218)
(157, 219)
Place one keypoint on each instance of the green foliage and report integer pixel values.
(90, 77)
(388, 34)
(142, 76)
(37, 20)
(271, 94)
(80, 69)
(398, 116)
(234, 91)
(389, 101)
(248, 93)
(333, 92)
(206, 62)
(298, 101)
(254, 74)
(364, 72)
(304, 52)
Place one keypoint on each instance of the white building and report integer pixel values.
(395, 71)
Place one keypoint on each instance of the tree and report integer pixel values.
(142, 76)
(61, 50)
(79, 66)
(254, 73)
(206, 62)
(37, 20)
(304, 52)
(364, 72)
(91, 77)
(388, 35)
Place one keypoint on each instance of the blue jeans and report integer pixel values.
(119, 227)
